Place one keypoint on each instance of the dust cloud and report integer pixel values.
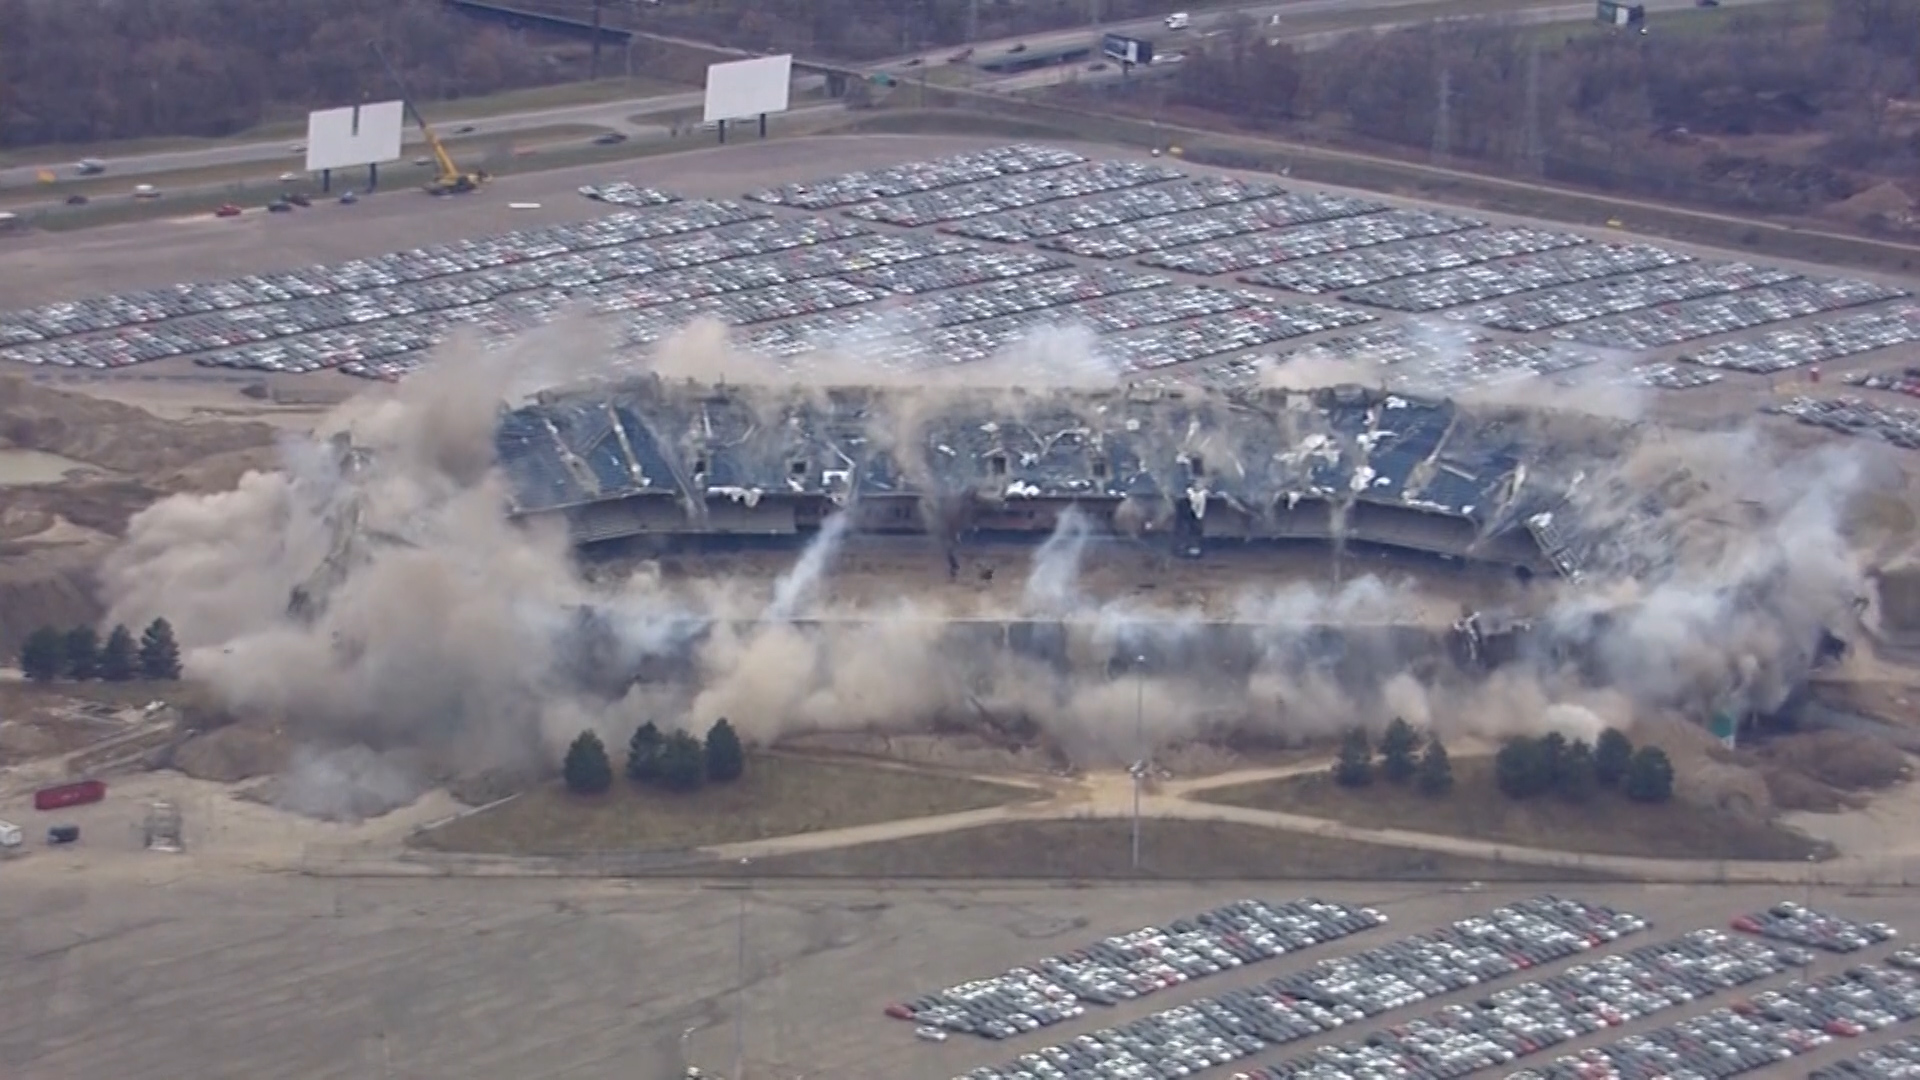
(380, 606)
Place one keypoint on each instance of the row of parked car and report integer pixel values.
(1898, 1060)
(1135, 964)
(1675, 324)
(1243, 253)
(1816, 342)
(1854, 416)
(1339, 271)
(848, 189)
(1217, 223)
(1032, 223)
(1330, 994)
(1026, 189)
(1520, 1021)
(1575, 273)
(625, 193)
(1650, 287)
(1790, 922)
(1760, 1034)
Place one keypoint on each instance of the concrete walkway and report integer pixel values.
(1110, 795)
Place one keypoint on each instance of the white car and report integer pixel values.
(145, 191)
(930, 1034)
(1179, 20)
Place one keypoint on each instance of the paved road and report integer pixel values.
(614, 115)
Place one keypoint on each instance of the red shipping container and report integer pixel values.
(74, 794)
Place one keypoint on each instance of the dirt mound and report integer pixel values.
(232, 754)
(119, 437)
(1705, 773)
(1884, 200)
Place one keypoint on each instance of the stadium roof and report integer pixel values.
(1256, 453)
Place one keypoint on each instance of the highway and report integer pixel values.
(617, 115)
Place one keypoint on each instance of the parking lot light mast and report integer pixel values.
(1139, 769)
(740, 980)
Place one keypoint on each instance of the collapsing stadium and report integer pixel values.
(656, 457)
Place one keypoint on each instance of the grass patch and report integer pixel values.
(21, 695)
(1171, 848)
(294, 127)
(781, 795)
(1609, 825)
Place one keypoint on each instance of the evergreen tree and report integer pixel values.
(683, 762)
(117, 660)
(1611, 756)
(43, 655)
(643, 754)
(159, 653)
(82, 653)
(1354, 767)
(1551, 751)
(1398, 749)
(586, 768)
(726, 758)
(1649, 776)
(1578, 781)
(1435, 777)
(1523, 768)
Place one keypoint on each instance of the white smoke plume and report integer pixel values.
(437, 629)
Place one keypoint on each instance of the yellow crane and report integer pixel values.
(452, 179)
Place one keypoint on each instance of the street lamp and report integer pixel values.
(740, 980)
(1139, 768)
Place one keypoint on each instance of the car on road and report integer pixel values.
(463, 129)
(297, 148)
(90, 167)
(145, 191)
(299, 198)
(1020, 48)
(609, 138)
(1179, 20)
(76, 200)
(289, 177)
(962, 56)
(279, 206)
(227, 210)
(348, 199)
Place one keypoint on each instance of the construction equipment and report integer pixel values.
(452, 180)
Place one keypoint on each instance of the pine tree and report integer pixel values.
(643, 754)
(82, 653)
(1398, 748)
(726, 758)
(1611, 756)
(1354, 767)
(586, 768)
(43, 655)
(117, 660)
(683, 762)
(1650, 776)
(1435, 777)
(159, 653)
(1578, 780)
(1523, 768)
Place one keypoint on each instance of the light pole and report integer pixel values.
(740, 981)
(1139, 769)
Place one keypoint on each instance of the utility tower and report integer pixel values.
(1443, 118)
(1533, 152)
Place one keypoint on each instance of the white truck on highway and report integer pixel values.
(10, 835)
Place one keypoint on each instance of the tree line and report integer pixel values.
(51, 654)
(1664, 114)
(678, 761)
(78, 71)
(1525, 767)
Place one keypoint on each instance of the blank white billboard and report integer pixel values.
(744, 88)
(356, 135)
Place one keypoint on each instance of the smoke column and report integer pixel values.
(445, 638)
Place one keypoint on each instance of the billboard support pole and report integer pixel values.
(721, 125)
(326, 181)
(763, 125)
(373, 178)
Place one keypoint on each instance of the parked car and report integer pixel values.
(227, 210)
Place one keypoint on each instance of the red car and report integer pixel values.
(227, 210)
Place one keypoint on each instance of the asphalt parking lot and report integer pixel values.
(1176, 273)
(223, 974)
(1705, 971)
